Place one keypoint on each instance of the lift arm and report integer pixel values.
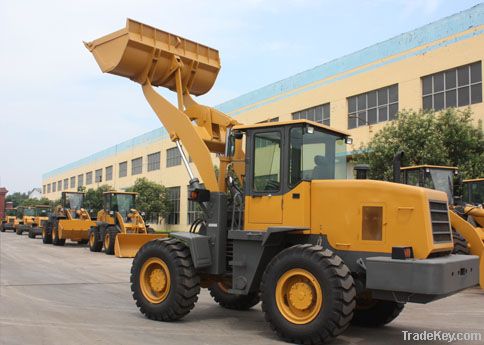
(152, 57)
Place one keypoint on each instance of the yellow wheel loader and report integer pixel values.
(25, 219)
(281, 223)
(68, 221)
(9, 222)
(40, 220)
(120, 228)
(467, 236)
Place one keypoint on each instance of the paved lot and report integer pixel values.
(68, 295)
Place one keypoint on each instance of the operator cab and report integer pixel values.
(121, 202)
(436, 177)
(473, 192)
(284, 155)
(72, 202)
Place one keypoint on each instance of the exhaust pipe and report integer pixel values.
(397, 164)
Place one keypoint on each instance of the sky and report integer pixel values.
(57, 107)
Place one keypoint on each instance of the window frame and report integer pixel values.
(135, 166)
(154, 165)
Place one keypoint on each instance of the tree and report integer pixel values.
(17, 198)
(427, 137)
(152, 198)
(94, 197)
(33, 202)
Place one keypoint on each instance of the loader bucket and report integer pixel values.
(140, 52)
(127, 245)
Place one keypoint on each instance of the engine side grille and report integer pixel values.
(439, 216)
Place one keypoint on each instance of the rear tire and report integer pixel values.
(110, 240)
(2, 228)
(164, 283)
(460, 244)
(95, 243)
(19, 230)
(377, 314)
(219, 293)
(308, 294)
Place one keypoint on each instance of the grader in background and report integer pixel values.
(120, 229)
(319, 250)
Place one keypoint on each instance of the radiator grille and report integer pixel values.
(439, 216)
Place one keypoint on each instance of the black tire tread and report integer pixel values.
(187, 290)
(230, 301)
(460, 244)
(97, 247)
(381, 314)
(112, 232)
(342, 282)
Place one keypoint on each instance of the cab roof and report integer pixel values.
(474, 180)
(115, 192)
(424, 166)
(290, 122)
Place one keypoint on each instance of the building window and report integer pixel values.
(98, 176)
(59, 185)
(371, 107)
(66, 183)
(154, 161)
(174, 199)
(109, 173)
(194, 211)
(318, 114)
(456, 87)
(123, 169)
(137, 166)
(89, 177)
(44, 188)
(173, 157)
(73, 182)
(80, 180)
(48, 188)
(54, 187)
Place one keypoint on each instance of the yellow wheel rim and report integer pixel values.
(43, 233)
(91, 239)
(106, 241)
(53, 234)
(155, 280)
(299, 296)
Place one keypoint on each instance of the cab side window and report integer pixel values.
(267, 162)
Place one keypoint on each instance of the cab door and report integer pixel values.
(263, 201)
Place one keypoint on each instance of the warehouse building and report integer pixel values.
(434, 67)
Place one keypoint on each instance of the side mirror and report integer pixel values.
(143, 214)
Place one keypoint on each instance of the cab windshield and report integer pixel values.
(11, 212)
(474, 192)
(123, 203)
(442, 180)
(29, 212)
(74, 201)
(41, 211)
(315, 154)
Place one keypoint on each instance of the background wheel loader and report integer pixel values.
(40, 220)
(473, 197)
(68, 221)
(120, 228)
(9, 222)
(281, 235)
(25, 219)
(467, 236)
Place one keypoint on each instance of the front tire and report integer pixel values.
(164, 282)
(95, 243)
(56, 241)
(110, 240)
(46, 236)
(308, 294)
(19, 230)
(31, 233)
(376, 313)
(220, 294)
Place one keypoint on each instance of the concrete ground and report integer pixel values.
(68, 295)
